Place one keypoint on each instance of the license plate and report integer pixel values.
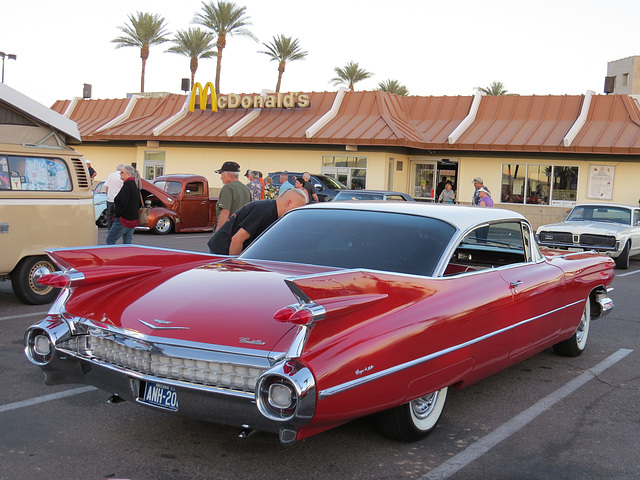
(160, 395)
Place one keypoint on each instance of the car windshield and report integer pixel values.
(331, 183)
(359, 196)
(355, 239)
(601, 213)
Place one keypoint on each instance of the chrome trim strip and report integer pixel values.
(577, 245)
(177, 343)
(375, 376)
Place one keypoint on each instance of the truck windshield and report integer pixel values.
(172, 188)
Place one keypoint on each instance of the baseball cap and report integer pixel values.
(229, 167)
(477, 179)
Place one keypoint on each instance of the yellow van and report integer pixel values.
(46, 199)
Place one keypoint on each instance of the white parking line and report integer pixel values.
(628, 273)
(482, 446)
(44, 398)
(34, 314)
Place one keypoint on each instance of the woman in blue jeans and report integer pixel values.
(126, 211)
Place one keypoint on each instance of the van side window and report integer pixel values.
(34, 173)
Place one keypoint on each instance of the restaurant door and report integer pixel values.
(424, 180)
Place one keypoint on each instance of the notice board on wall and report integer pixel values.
(601, 178)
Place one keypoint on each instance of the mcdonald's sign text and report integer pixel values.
(232, 100)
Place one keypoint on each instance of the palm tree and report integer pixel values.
(495, 89)
(145, 30)
(393, 86)
(195, 44)
(225, 19)
(283, 49)
(350, 75)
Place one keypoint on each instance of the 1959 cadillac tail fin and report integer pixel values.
(370, 309)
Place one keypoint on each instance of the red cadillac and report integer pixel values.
(339, 310)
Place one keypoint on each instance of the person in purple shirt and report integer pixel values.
(485, 198)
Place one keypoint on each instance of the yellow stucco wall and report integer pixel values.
(205, 159)
(626, 189)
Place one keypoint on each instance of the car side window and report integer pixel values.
(491, 246)
(636, 217)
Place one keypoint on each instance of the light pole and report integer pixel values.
(10, 56)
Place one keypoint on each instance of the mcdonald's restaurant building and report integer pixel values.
(538, 155)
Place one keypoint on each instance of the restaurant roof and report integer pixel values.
(600, 124)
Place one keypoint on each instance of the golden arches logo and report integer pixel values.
(203, 94)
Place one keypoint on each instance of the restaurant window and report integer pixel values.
(154, 163)
(539, 184)
(352, 171)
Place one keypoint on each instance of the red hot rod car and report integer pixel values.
(179, 202)
(373, 308)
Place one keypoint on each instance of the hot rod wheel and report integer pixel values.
(163, 226)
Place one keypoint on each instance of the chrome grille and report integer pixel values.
(555, 237)
(598, 240)
(203, 372)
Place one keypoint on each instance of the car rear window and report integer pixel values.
(355, 239)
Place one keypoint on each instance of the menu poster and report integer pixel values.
(601, 181)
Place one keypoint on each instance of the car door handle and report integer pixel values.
(514, 285)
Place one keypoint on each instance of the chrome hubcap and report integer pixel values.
(36, 273)
(423, 406)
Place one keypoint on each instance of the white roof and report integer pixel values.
(39, 112)
(461, 216)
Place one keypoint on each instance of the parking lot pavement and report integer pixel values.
(196, 242)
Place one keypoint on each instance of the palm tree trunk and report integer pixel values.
(144, 54)
(144, 64)
(281, 66)
(218, 66)
(220, 43)
(194, 68)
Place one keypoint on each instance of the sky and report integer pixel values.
(542, 47)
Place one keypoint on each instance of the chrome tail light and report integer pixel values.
(286, 393)
(40, 340)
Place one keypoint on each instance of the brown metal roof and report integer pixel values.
(502, 123)
(525, 123)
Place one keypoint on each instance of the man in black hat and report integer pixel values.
(234, 193)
